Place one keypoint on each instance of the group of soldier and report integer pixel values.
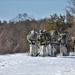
(42, 43)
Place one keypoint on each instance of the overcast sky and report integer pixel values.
(35, 8)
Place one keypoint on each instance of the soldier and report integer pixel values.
(42, 42)
(62, 40)
(73, 40)
(48, 42)
(31, 37)
(54, 37)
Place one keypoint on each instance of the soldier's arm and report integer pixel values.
(28, 38)
(37, 40)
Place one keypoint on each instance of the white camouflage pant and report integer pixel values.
(63, 50)
(33, 50)
(50, 50)
(42, 51)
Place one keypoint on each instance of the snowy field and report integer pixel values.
(22, 64)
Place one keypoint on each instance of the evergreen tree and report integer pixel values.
(56, 22)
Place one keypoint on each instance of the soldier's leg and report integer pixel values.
(36, 50)
(61, 50)
(31, 50)
(49, 50)
(53, 52)
(64, 50)
(41, 51)
(44, 50)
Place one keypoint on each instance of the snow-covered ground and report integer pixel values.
(22, 64)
